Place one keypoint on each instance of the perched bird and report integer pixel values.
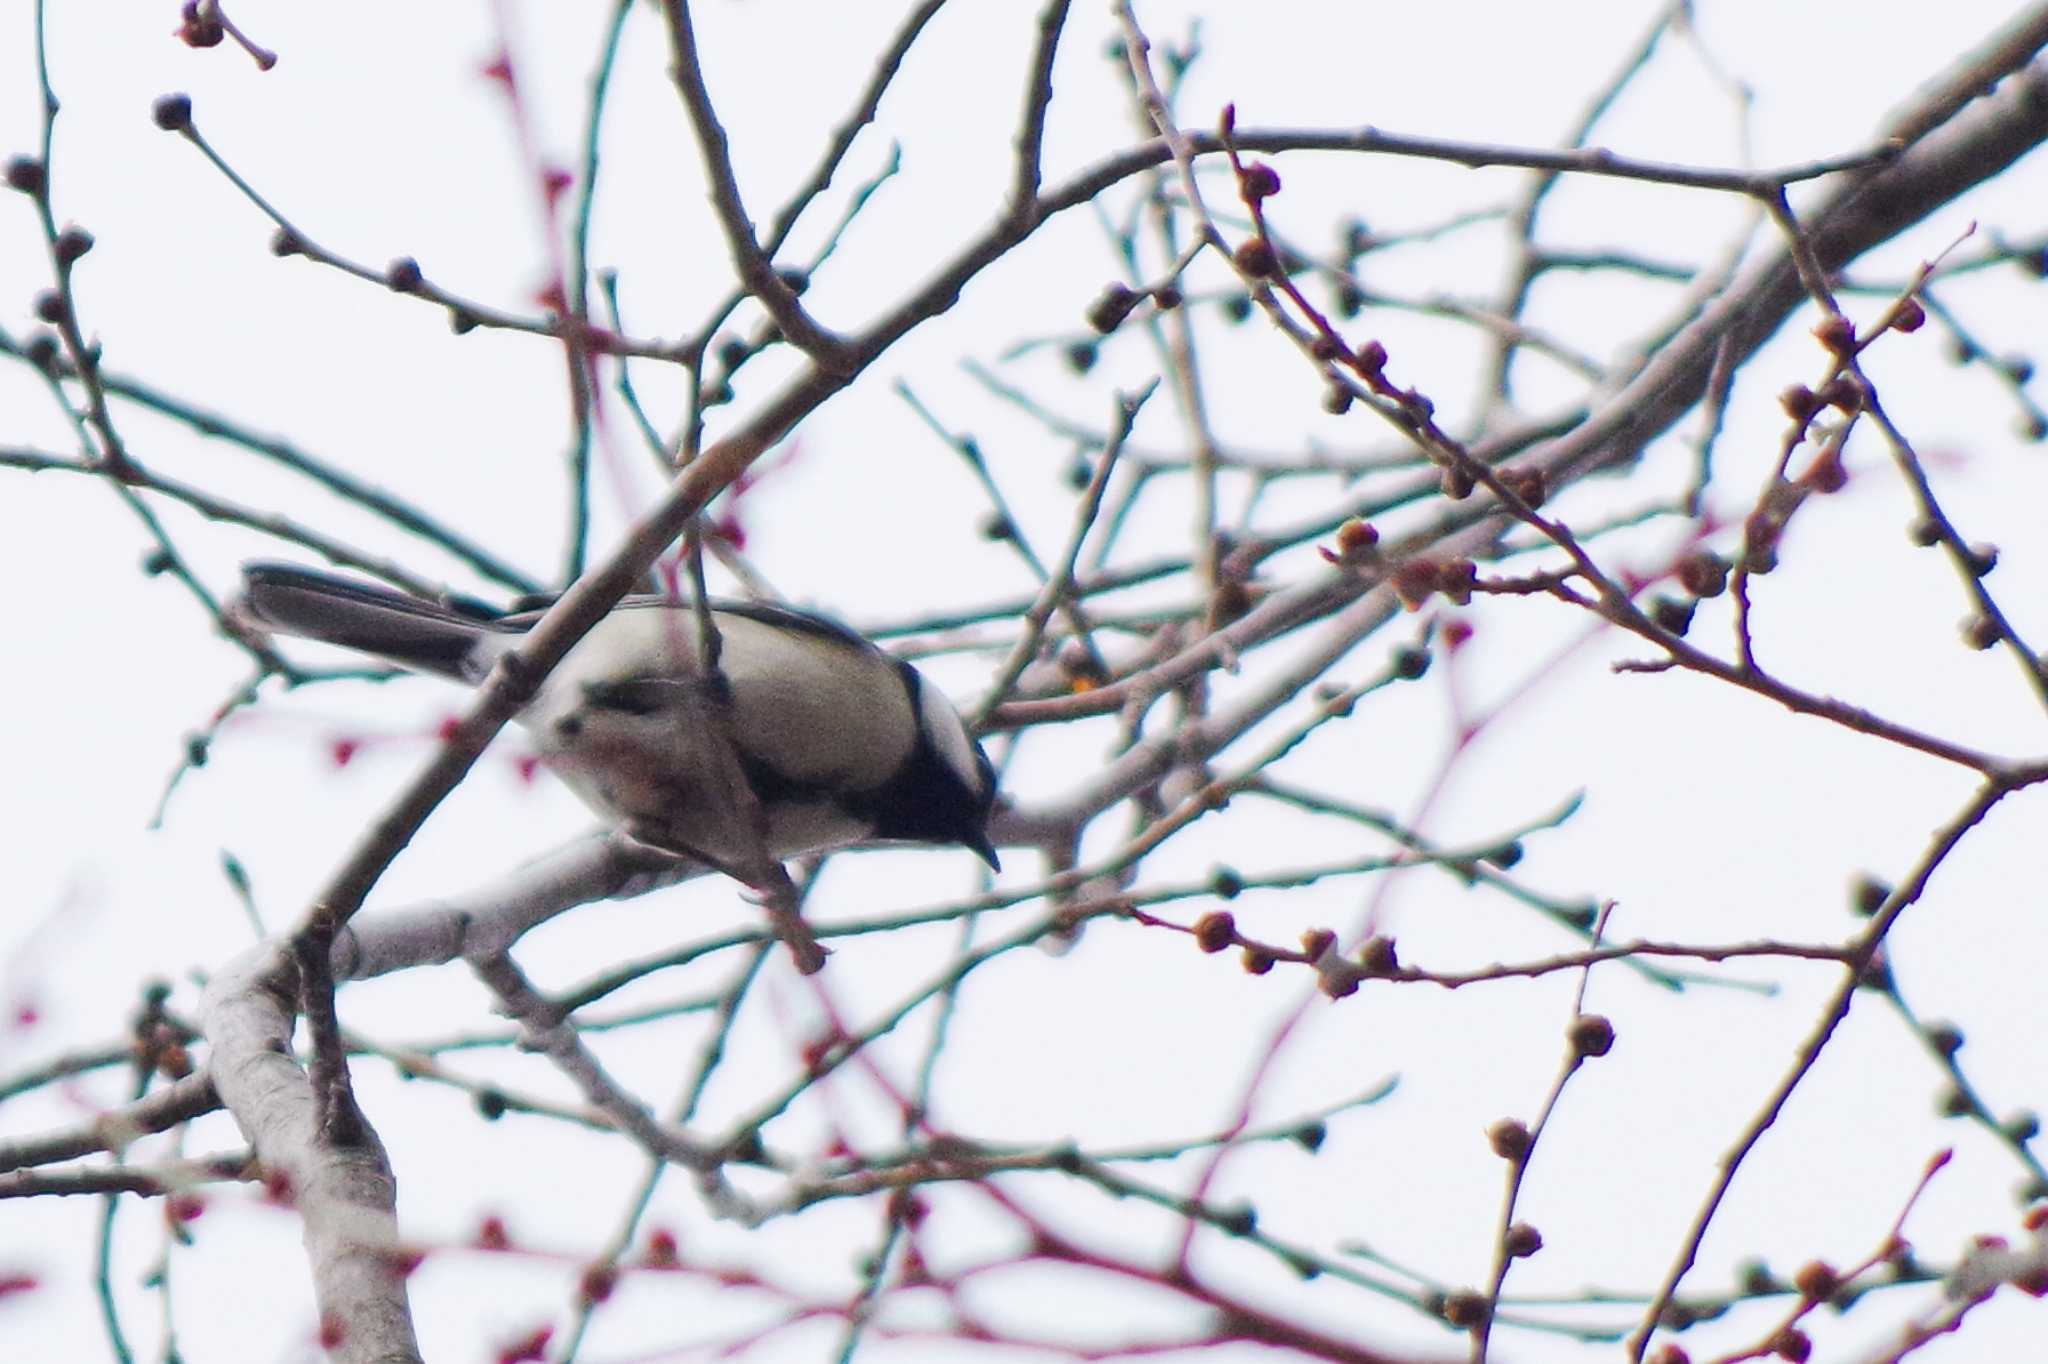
(839, 742)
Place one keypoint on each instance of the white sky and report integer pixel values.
(1709, 816)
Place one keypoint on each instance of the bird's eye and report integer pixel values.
(632, 696)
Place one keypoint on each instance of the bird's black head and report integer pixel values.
(945, 789)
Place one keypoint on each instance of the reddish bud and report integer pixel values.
(597, 1284)
(529, 1348)
(1257, 961)
(662, 1250)
(1799, 403)
(403, 276)
(491, 1234)
(1817, 1281)
(1910, 316)
(1792, 1344)
(343, 751)
(1465, 1308)
(1215, 931)
(1259, 181)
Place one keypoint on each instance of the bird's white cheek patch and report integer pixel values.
(948, 736)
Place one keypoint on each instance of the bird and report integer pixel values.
(840, 742)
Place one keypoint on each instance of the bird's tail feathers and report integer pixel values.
(408, 631)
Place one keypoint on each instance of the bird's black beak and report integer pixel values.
(978, 843)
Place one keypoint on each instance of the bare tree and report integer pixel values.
(1275, 475)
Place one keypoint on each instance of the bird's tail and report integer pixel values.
(409, 631)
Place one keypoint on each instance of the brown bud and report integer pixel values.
(1316, 941)
(1910, 316)
(1350, 299)
(1826, 474)
(1410, 662)
(1592, 1035)
(1836, 333)
(49, 306)
(1868, 895)
(1457, 578)
(1356, 537)
(1673, 613)
(1256, 259)
(1817, 1280)
(1456, 483)
(1112, 306)
(1926, 533)
(1799, 403)
(26, 174)
(1257, 961)
(1377, 956)
(1215, 931)
(1464, 1308)
(1414, 580)
(1792, 1344)
(1981, 558)
(1259, 181)
(1509, 1139)
(1945, 1038)
(1167, 297)
(1703, 573)
(172, 113)
(72, 243)
(1669, 1354)
(1081, 356)
(403, 276)
(1981, 632)
(1528, 484)
(1843, 393)
(1323, 347)
(42, 351)
(1522, 1241)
